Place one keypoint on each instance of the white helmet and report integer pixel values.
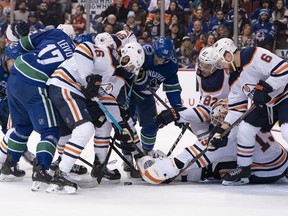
(206, 61)
(105, 39)
(219, 111)
(221, 46)
(157, 170)
(136, 55)
(68, 29)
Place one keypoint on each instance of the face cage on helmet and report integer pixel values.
(199, 71)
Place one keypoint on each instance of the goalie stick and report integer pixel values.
(237, 122)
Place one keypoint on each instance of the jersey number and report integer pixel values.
(57, 56)
(266, 58)
(209, 101)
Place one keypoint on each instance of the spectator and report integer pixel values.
(78, 21)
(140, 14)
(117, 9)
(221, 32)
(219, 20)
(207, 6)
(152, 27)
(152, 14)
(264, 31)
(184, 53)
(242, 19)
(280, 16)
(6, 6)
(112, 22)
(197, 32)
(175, 35)
(154, 4)
(22, 12)
(209, 40)
(34, 24)
(174, 9)
(108, 28)
(43, 14)
(246, 38)
(2, 15)
(198, 16)
(265, 4)
(131, 22)
(55, 10)
(224, 5)
(182, 28)
(2, 46)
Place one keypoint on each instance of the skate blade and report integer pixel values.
(10, 178)
(53, 188)
(238, 182)
(39, 186)
(133, 175)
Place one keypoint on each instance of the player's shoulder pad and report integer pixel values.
(246, 55)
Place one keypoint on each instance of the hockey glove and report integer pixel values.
(21, 29)
(93, 85)
(262, 89)
(216, 140)
(166, 117)
(178, 109)
(126, 135)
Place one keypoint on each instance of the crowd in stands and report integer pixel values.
(191, 24)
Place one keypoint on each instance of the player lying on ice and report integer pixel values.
(269, 158)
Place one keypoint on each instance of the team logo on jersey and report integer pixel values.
(248, 90)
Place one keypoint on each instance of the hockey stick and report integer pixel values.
(104, 165)
(184, 128)
(91, 165)
(237, 122)
(164, 104)
(126, 104)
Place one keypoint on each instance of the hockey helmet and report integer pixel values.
(221, 47)
(68, 29)
(136, 55)
(163, 47)
(105, 39)
(206, 62)
(219, 111)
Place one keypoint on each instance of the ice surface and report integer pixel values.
(141, 199)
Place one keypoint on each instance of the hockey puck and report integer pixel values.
(127, 183)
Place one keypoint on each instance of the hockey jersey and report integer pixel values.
(269, 157)
(154, 75)
(257, 64)
(90, 59)
(42, 53)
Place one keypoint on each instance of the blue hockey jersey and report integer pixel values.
(154, 75)
(42, 53)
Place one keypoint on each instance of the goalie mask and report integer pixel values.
(157, 170)
(219, 111)
(105, 39)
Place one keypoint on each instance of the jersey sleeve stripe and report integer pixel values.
(85, 51)
(202, 111)
(281, 71)
(62, 75)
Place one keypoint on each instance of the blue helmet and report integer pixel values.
(163, 47)
(83, 38)
(11, 51)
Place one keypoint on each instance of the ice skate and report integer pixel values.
(10, 171)
(76, 169)
(62, 183)
(112, 176)
(130, 173)
(237, 176)
(40, 177)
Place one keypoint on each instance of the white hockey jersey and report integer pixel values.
(269, 157)
(90, 59)
(257, 64)
(212, 88)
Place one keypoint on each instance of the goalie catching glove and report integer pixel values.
(126, 135)
(262, 89)
(93, 84)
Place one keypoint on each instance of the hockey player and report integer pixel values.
(29, 105)
(263, 79)
(79, 79)
(270, 161)
(214, 84)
